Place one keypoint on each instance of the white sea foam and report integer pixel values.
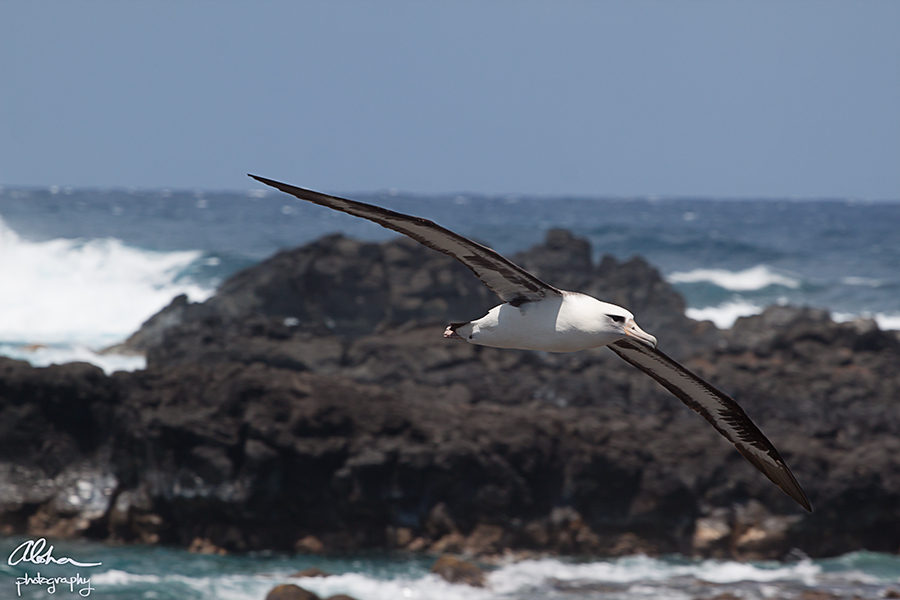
(84, 293)
(247, 587)
(362, 586)
(862, 281)
(517, 578)
(755, 278)
(724, 315)
(42, 356)
(888, 322)
(633, 569)
(119, 577)
(885, 321)
(530, 576)
(635, 576)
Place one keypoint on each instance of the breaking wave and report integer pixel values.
(85, 293)
(755, 278)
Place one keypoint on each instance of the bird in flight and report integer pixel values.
(537, 316)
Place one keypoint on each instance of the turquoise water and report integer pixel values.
(141, 572)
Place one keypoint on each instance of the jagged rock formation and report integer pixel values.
(312, 405)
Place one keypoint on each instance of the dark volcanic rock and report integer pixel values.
(334, 285)
(55, 476)
(289, 591)
(286, 413)
(276, 311)
(827, 392)
(563, 260)
(454, 570)
(256, 457)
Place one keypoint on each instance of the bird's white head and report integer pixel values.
(621, 320)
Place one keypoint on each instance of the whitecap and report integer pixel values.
(41, 356)
(755, 278)
(885, 321)
(724, 315)
(85, 293)
(888, 322)
(636, 576)
(642, 570)
(862, 281)
(362, 586)
(119, 577)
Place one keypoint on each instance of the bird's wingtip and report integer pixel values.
(271, 182)
(801, 499)
(792, 488)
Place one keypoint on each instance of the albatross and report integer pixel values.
(537, 316)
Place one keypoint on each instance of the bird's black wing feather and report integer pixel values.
(718, 408)
(509, 281)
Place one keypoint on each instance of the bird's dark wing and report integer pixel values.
(722, 411)
(509, 281)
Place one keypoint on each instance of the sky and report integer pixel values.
(593, 98)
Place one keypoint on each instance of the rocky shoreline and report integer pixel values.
(311, 405)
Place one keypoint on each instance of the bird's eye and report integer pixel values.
(617, 318)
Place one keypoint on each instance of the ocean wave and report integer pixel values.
(885, 321)
(41, 356)
(755, 278)
(178, 574)
(120, 577)
(888, 322)
(724, 315)
(89, 293)
(633, 569)
(358, 585)
(636, 576)
(253, 586)
(525, 579)
(862, 281)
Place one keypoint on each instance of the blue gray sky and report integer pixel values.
(699, 98)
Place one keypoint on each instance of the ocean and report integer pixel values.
(82, 269)
(142, 572)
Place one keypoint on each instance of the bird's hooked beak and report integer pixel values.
(633, 331)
